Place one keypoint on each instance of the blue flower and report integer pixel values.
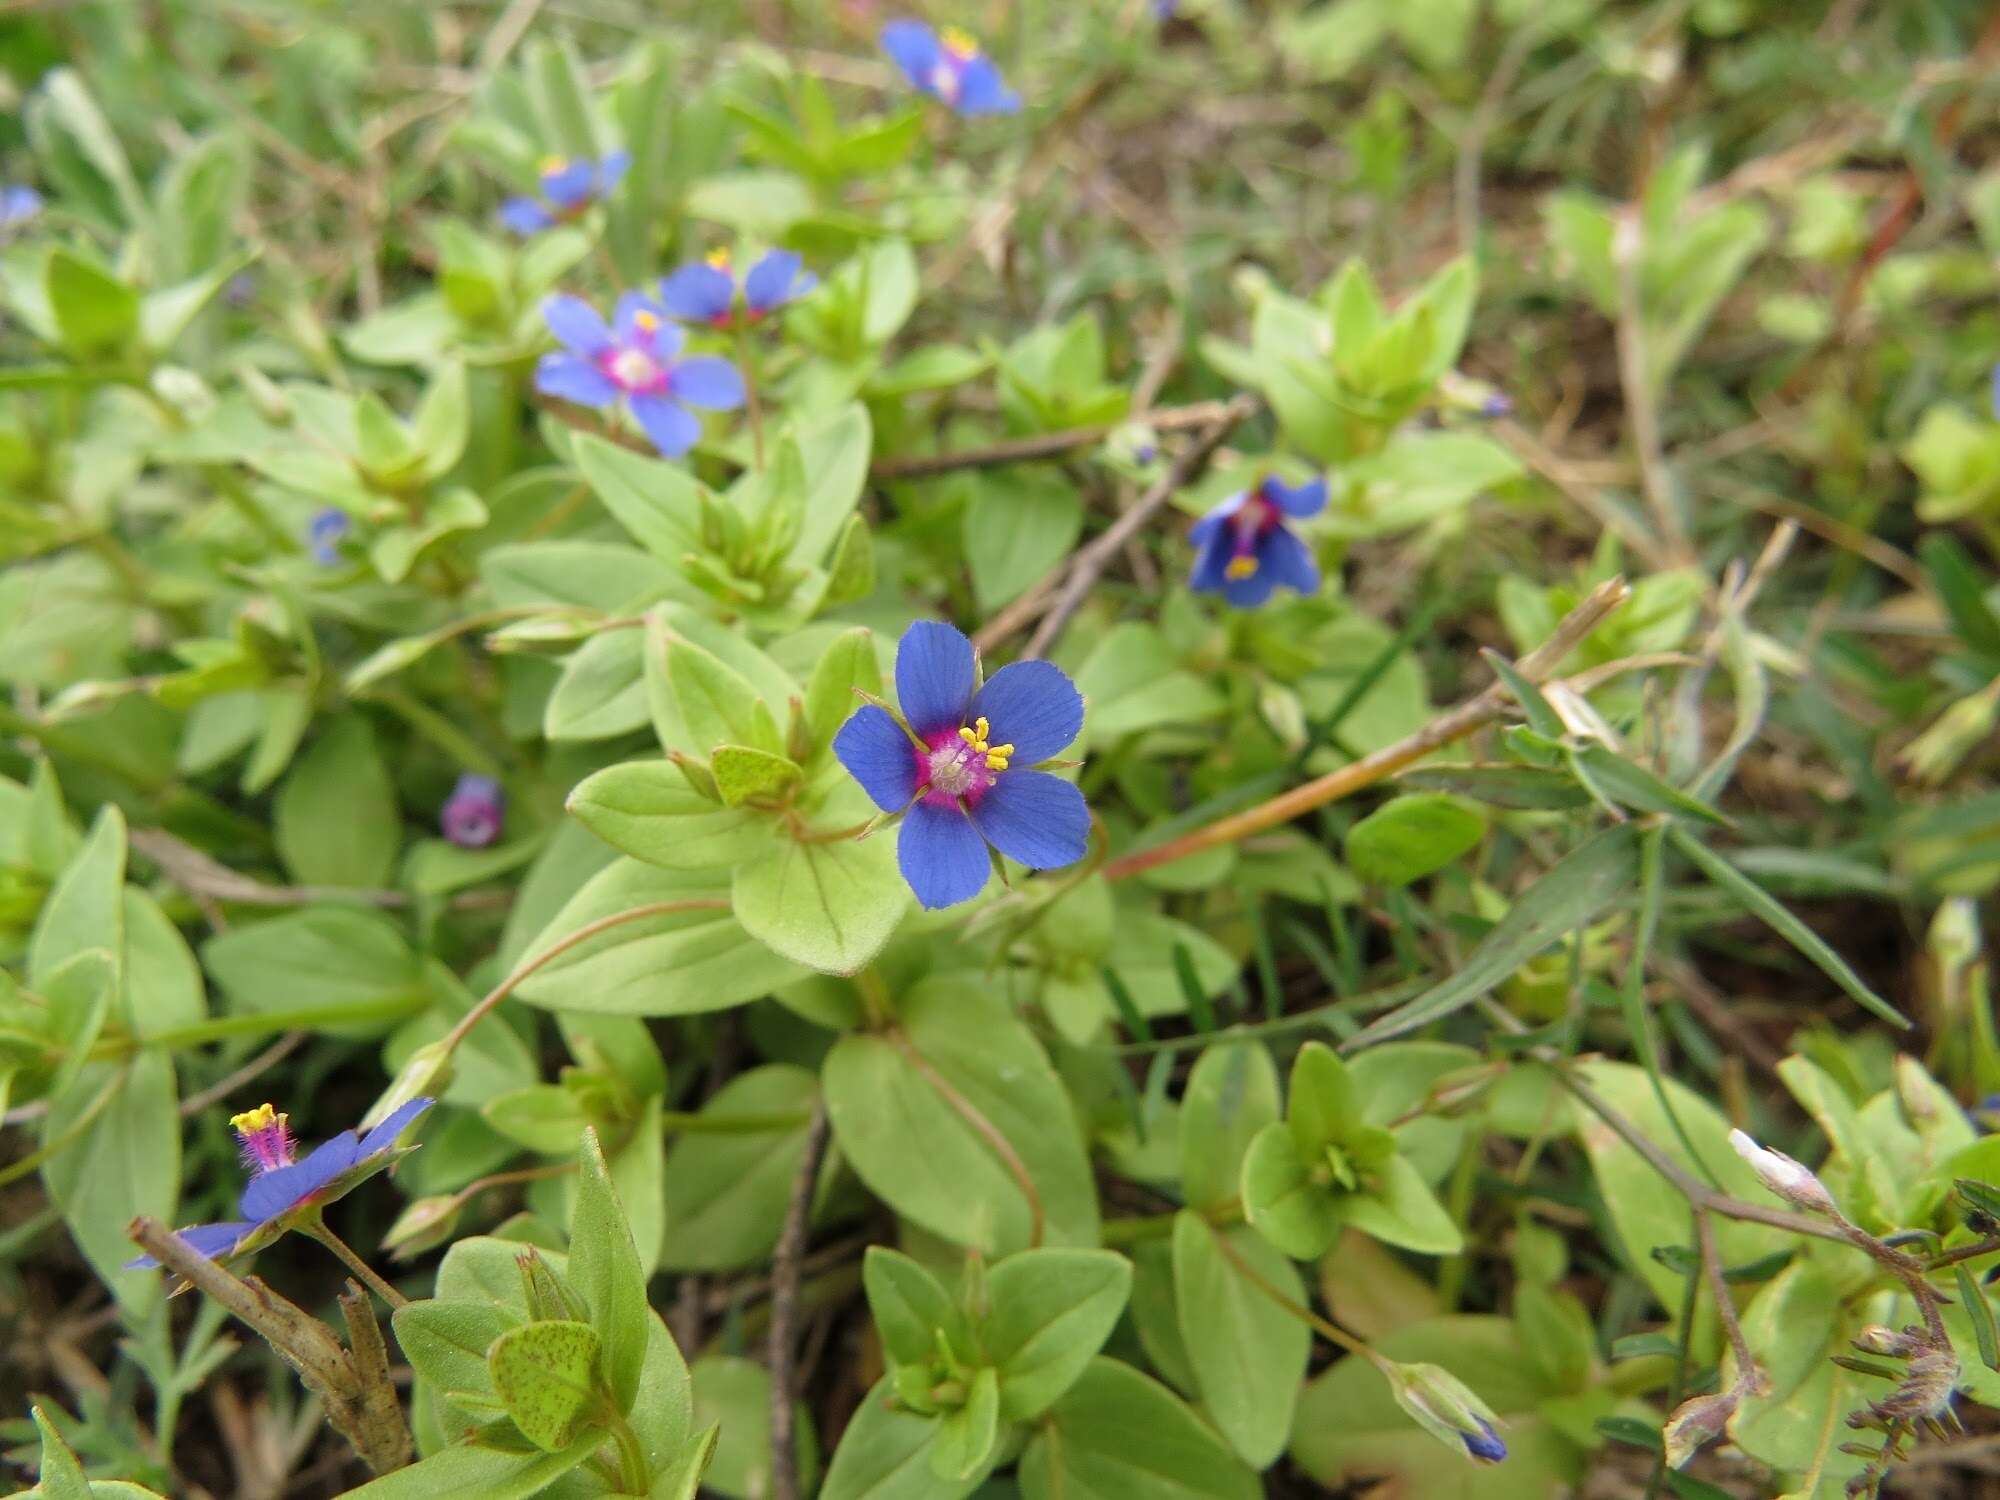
(569, 186)
(18, 205)
(1993, 391)
(949, 67)
(325, 532)
(1484, 1444)
(634, 364)
(472, 814)
(705, 291)
(947, 764)
(1244, 550)
(280, 1186)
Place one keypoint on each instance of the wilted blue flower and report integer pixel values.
(18, 204)
(471, 815)
(635, 364)
(325, 532)
(947, 764)
(569, 186)
(948, 66)
(705, 291)
(280, 1185)
(1244, 550)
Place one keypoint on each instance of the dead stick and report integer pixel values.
(784, 1307)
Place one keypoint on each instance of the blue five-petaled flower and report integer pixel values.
(949, 764)
(280, 1185)
(569, 186)
(705, 291)
(634, 363)
(948, 66)
(1244, 550)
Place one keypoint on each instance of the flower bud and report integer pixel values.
(425, 1074)
(1790, 1180)
(1698, 1422)
(424, 1225)
(1954, 734)
(1445, 1407)
(472, 814)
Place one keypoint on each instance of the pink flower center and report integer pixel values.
(265, 1138)
(635, 370)
(960, 766)
(1256, 519)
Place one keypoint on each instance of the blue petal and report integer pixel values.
(1993, 396)
(1249, 593)
(577, 324)
(568, 378)
(19, 204)
(524, 216)
(980, 91)
(1485, 1445)
(270, 1194)
(211, 1240)
(1211, 563)
(942, 856)
(769, 283)
(1307, 499)
(383, 1136)
(933, 676)
(570, 184)
(1287, 561)
(915, 49)
(707, 381)
(698, 293)
(672, 427)
(610, 170)
(879, 755)
(625, 322)
(1032, 706)
(1034, 818)
(1210, 524)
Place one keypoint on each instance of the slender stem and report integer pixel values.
(1473, 714)
(70, 1136)
(1330, 1332)
(1154, 1226)
(1041, 445)
(636, 1474)
(746, 356)
(1988, 1246)
(785, 1264)
(314, 1227)
(583, 934)
(986, 1130)
(1725, 1307)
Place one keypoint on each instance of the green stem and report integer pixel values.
(314, 1227)
(1155, 1226)
(390, 1008)
(638, 1474)
(749, 1122)
(746, 355)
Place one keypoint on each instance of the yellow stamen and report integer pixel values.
(958, 43)
(263, 1117)
(1240, 567)
(551, 164)
(996, 758)
(646, 321)
(719, 259)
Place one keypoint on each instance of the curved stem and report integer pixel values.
(1331, 1332)
(985, 1129)
(314, 1226)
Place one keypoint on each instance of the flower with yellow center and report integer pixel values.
(996, 755)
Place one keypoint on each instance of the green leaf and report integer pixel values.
(1248, 1353)
(658, 503)
(1231, 1094)
(1400, 1209)
(95, 312)
(742, 773)
(717, 705)
(1540, 714)
(1961, 587)
(727, 1189)
(1052, 1310)
(830, 906)
(1119, 1435)
(1282, 1202)
(911, 1307)
(836, 456)
(647, 809)
(1018, 525)
(490, 1473)
(1629, 785)
(1526, 788)
(351, 968)
(847, 668)
(85, 910)
(447, 1342)
(1570, 896)
(604, 1269)
(679, 963)
(957, 1071)
(734, 1395)
(336, 820)
(1761, 903)
(1412, 836)
(885, 1454)
(60, 1476)
(544, 1374)
(966, 1438)
(1979, 1313)
(126, 1162)
(602, 690)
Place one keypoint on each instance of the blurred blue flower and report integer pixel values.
(280, 1185)
(472, 814)
(18, 205)
(325, 532)
(634, 364)
(1993, 391)
(705, 291)
(569, 186)
(947, 764)
(1245, 551)
(1484, 1444)
(949, 67)
(1497, 404)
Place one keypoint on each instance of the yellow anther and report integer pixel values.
(646, 321)
(996, 758)
(976, 735)
(958, 43)
(551, 164)
(719, 259)
(263, 1117)
(1240, 567)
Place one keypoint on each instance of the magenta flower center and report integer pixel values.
(635, 370)
(265, 1138)
(960, 766)
(1256, 519)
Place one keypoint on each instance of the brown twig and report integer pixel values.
(785, 1262)
(1747, 1368)
(1042, 444)
(1473, 714)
